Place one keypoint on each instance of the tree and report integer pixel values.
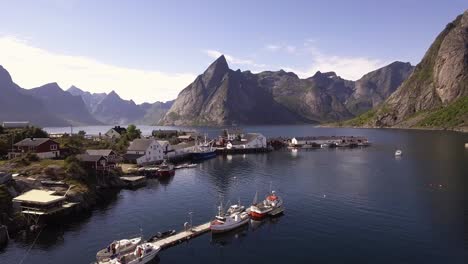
(81, 133)
(133, 132)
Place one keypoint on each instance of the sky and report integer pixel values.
(150, 50)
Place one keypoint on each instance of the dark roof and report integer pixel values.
(140, 144)
(99, 152)
(120, 129)
(132, 156)
(89, 158)
(32, 142)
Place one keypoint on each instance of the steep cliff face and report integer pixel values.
(221, 96)
(376, 86)
(440, 79)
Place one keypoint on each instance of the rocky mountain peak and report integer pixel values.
(75, 90)
(215, 72)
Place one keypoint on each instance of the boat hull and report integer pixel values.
(258, 215)
(166, 173)
(277, 211)
(203, 155)
(217, 229)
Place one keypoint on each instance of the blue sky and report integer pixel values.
(150, 50)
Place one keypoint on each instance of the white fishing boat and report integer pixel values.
(143, 253)
(398, 153)
(118, 248)
(223, 223)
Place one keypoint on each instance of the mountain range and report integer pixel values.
(50, 105)
(432, 94)
(221, 96)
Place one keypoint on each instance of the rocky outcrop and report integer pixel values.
(221, 96)
(439, 80)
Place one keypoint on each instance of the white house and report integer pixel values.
(146, 151)
(115, 132)
(248, 141)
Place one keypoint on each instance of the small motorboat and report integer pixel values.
(161, 235)
(118, 248)
(224, 223)
(324, 145)
(398, 153)
(143, 253)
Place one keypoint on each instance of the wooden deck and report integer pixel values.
(182, 236)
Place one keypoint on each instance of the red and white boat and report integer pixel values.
(166, 169)
(272, 205)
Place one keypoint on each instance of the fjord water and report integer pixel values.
(357, 205)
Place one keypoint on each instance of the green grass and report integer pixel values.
(454, 115)
(360, 120)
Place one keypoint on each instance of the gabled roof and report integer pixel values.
(32, 142)
(89, 158)
(99, 152)
(140, 144)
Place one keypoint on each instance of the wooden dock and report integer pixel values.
(182, 236)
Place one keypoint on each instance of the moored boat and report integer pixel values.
(166, 169)
(118, 248)
(161, 235)
(272, 205)
(204, 151)
(143, 253)
(223, 223)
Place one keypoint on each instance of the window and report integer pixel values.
(53, 147)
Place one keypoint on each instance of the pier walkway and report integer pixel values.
(182, 236)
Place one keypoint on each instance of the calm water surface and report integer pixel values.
(343, 205)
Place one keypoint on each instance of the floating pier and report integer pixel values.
(182, 236)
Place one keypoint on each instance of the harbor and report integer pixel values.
(320, 187)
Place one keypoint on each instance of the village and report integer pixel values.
(47, 176)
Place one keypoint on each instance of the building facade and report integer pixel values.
(44, 148)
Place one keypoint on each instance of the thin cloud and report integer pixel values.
(277, 48)
(272, 47)
(31, 67)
